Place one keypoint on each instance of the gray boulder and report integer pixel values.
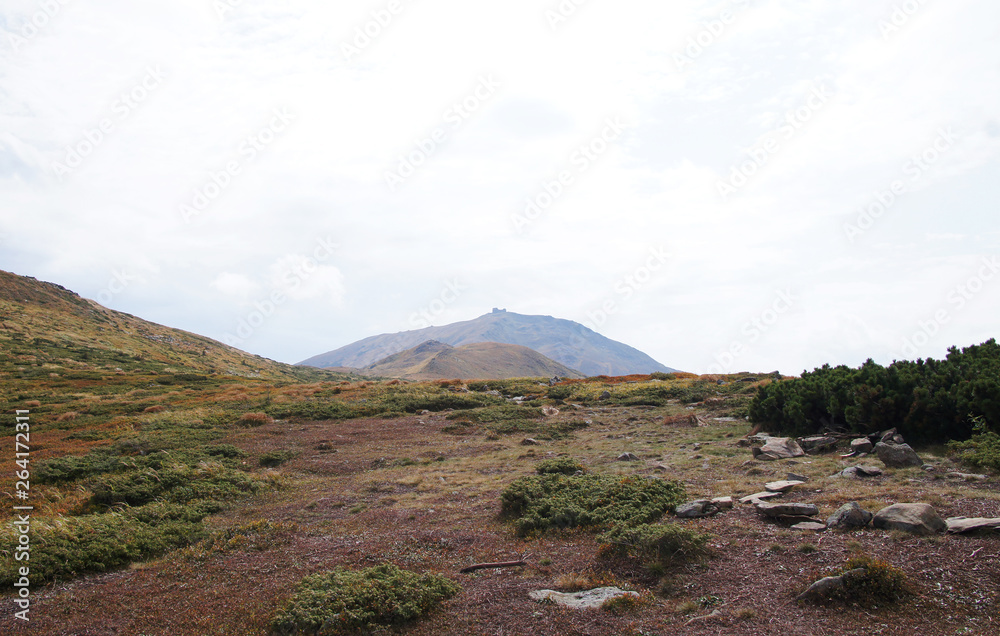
(860, 472)
(778, 448)
(628, 457)
(918, 518)
(817, 444)
(861, 445)
(580, 600)
(848, 516)
(696, 509)
(897, 455)
(782, 486)
(827, 586)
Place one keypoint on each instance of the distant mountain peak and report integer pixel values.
(564, 341)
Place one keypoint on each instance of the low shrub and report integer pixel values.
(981, 450)
(539, 503)
(74, 546)
(882, 583)
(664, 544)
(257, 535)
(348, 602)
(176, 483)
(274, 458)
(563, 465)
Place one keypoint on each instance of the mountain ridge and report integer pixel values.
(568, 343)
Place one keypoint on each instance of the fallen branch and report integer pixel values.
(486, 566)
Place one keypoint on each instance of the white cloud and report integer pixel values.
(322, 177)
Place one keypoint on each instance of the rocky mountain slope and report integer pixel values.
(434, 360)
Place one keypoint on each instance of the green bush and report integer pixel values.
(274, 458)
(928, 401)
(657, 544)
(74, 546)
(493, 414)
(981, 450)
(564, 466)
(539, 503)
(177, 483)
(348, 602)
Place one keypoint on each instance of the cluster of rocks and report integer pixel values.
(916, 518)
(890, 447)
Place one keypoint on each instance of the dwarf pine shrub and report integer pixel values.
(350, 602)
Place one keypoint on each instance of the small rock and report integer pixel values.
(794, 477)
(861, 445)
(786, 509)
(580, 600)
(963, 525)
(897, 455)
(529, 441)
(550, 411)
(604, 396)
(887, 436)
(759, 496)
(628, 457)
(782, 486)
(967, 476)
(918, 518)
(696, 509)
(928, 468)
(850, 515)
(829, 585)
(813, 526)
(723, 503)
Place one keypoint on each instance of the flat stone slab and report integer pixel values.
(778, 448)
(965, 525)
(967, 476)
(782, 486)
(814, 526)
(580, 600)
(787, 509)
(759, 496)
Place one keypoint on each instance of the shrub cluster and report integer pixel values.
(660, 544)
(348, 602)
(96, 543)
(542, 502)
(562, 466)
(928, 401)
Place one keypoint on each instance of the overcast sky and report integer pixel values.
(741, 185)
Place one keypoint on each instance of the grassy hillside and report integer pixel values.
(46, 329)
